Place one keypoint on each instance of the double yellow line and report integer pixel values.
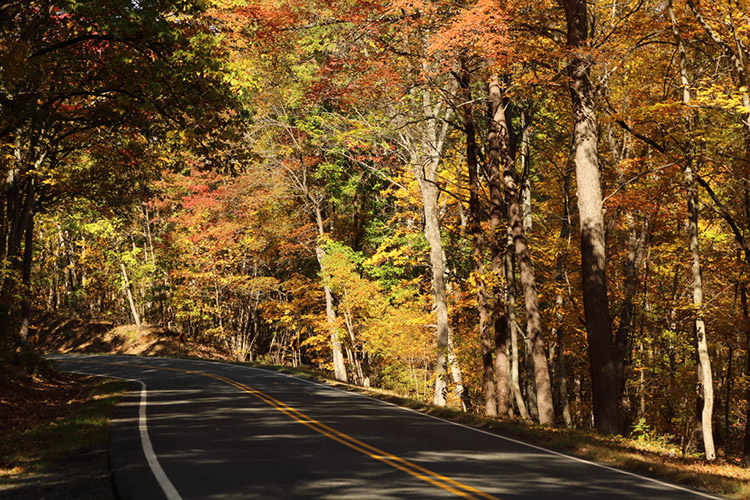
(399, 463)
(415, 470)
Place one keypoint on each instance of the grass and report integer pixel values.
(81, 425)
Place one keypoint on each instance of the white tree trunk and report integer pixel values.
(133, 309)
(339, 367)
(704, 362)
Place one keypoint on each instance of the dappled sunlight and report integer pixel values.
(220, 430)
(533, 212)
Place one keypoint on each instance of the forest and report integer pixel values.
(531, 210)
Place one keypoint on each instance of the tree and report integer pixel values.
(704, 363)
(528, 283)
(79, 71)
(606, 357)
(498, 155)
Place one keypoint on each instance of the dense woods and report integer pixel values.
(535, 210)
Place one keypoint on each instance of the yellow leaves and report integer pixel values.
(401, 333)
(397, 255)
(722, 97)
(227, 4)
(319, 341)
(663, 109)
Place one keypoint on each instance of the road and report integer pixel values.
(198, 429)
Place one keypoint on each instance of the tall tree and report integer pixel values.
(528, 283)
(477, 245)
(726, 28)
(425, 160)
(498, 155)
(705, 378)
(74, 72)
(606, 362)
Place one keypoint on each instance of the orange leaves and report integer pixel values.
(479, 30)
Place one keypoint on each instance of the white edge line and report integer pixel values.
(161, 477)
(164, 482)
(482, 431)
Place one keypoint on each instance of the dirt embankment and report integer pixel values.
(77, 335)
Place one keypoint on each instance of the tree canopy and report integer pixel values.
(532, 210)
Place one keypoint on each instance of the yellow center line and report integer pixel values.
(392, 460)
(299, 416)
(399, 463)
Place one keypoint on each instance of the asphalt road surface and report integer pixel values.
(198, 429)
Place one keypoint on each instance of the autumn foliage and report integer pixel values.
(257, 175)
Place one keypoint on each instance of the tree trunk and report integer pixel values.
(453, 363)
(636, 251)
(26, 281)
(526, 273)
(129, 294)
(525, 173)
(561, 371)
(704, 363)
(606, 372)
(457, 376)
(339, 368)
(432, 234)
(19, 209)
(354, 355)
(510, 302)
(475, 227)
(528, 381)
(737, 56)
(497, 237)
(425, 161)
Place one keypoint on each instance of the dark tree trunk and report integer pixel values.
(475, 227)
(746, 316)
(19, 212)
(606, 372)
(542, 384)
(26, 281)
(497, 239)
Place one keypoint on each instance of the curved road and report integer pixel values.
(198, 429)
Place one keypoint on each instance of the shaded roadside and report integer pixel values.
(54, 435)
(83, 475)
